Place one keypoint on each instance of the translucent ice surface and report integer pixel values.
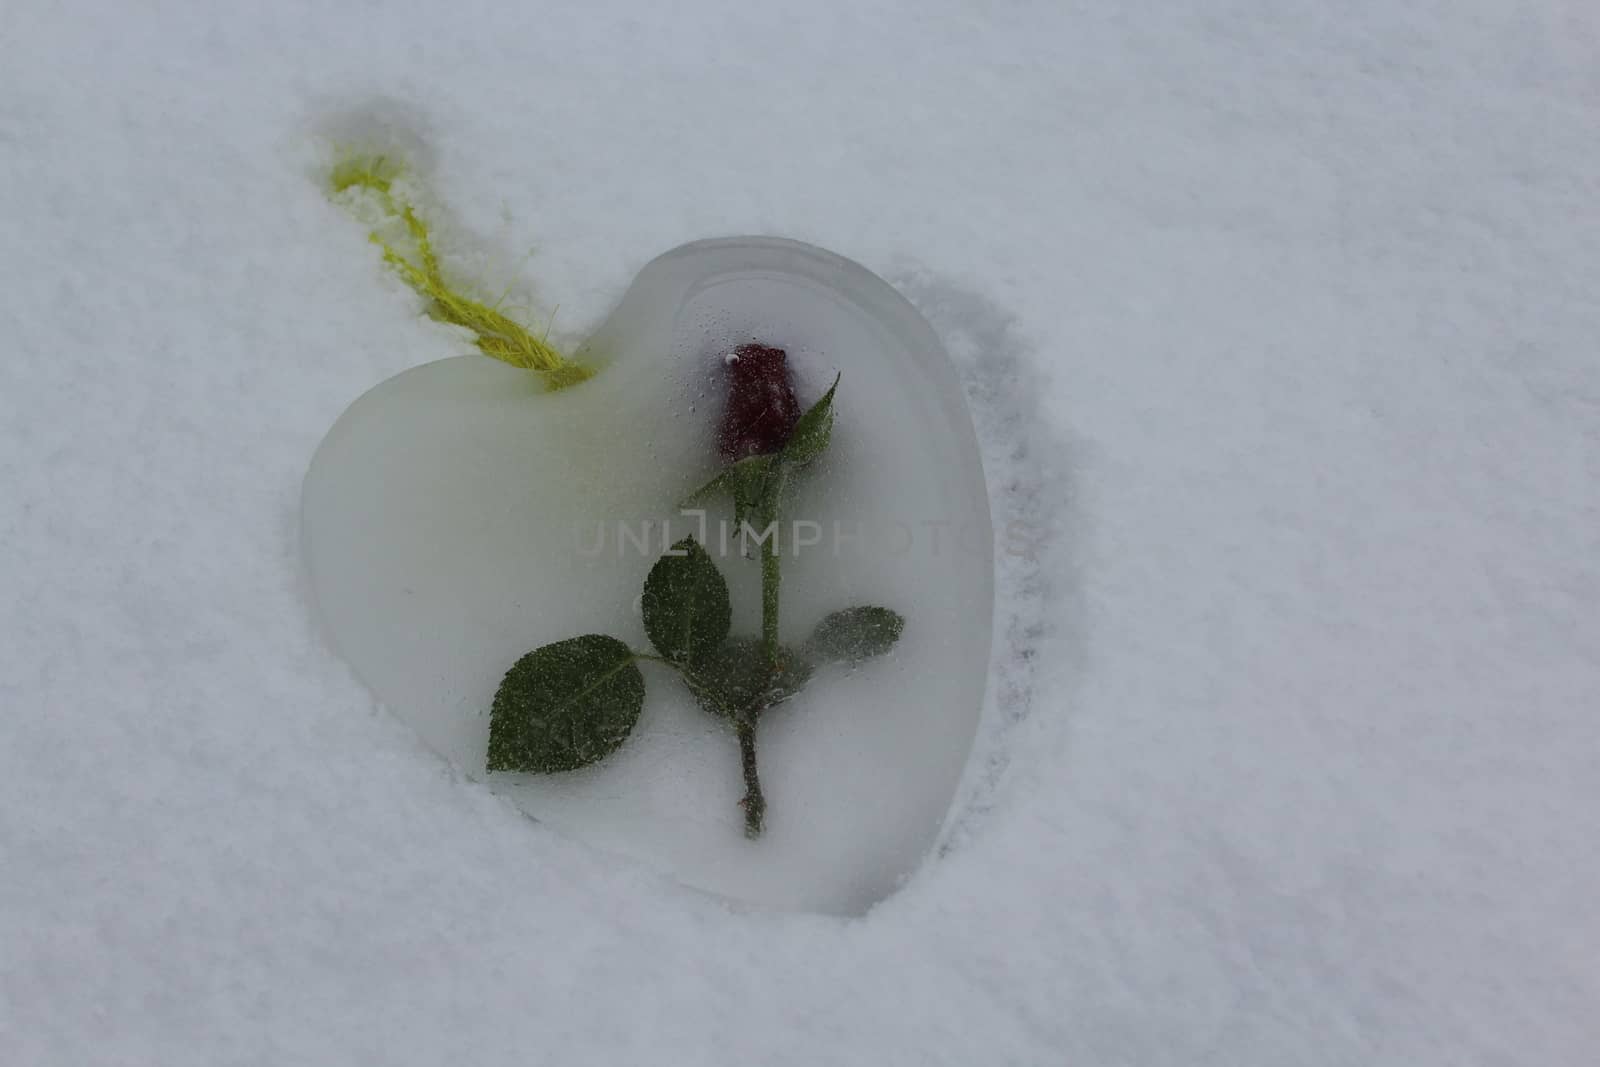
(456, 517)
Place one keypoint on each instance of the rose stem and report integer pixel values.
(770, 578)
(755, 805)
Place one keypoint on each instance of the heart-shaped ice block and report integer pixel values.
(457, 516)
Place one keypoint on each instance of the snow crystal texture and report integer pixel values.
(1279, 322)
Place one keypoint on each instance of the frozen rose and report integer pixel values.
(762, 408)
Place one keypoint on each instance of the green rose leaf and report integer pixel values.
(686, 609)
(737, 680)
(564, 706)
(856, 634)
(811, 433)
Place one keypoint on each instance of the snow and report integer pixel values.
(1279, 316)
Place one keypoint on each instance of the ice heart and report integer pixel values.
(457, 516)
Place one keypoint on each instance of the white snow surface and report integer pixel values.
(1281, 318)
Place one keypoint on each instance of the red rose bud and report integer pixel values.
(762, 408)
